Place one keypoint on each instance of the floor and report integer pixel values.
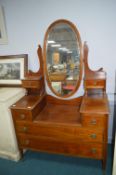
(34, 163)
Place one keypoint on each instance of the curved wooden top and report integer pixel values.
(88, 73)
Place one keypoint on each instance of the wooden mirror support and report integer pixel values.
(77, 127)
(34, 81)
(93, 79)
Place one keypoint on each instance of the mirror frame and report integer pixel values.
(77, 34)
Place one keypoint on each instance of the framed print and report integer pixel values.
(3, 35)
(13, 68)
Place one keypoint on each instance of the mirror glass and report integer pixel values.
(63, 62)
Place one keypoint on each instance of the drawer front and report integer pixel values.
(93, 121)
(61, 133)
(31, 84)
(21, 115)
(95, 83)
(92, 150)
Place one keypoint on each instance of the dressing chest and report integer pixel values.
(58, 124)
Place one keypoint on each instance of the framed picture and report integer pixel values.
(3, 35)
(13, 68)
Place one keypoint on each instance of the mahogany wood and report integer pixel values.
(40, 60)
(28, 107)
(93, 79)
(34, 81)
(72, 102)
(89, 150)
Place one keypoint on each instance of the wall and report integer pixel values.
(27, 22)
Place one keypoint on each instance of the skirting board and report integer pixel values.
(109, 140)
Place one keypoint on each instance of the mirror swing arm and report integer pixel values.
(34, 81)
(58, 125)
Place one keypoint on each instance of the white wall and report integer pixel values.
(27, 22)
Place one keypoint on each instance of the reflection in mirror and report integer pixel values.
(63, 58)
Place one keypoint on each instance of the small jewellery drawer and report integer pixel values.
(95, 83)
(32, 84)
(61, 133)
(93, 150)
(93, 120)
(27, 107)
(20, 114)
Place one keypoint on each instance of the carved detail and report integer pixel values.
(92, 79)
(88, 73)
(40, 59)
(34, 81)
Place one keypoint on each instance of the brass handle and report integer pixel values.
(93, 150)
(22, 116)
(93, 122)
(25, 129)
(93, 136)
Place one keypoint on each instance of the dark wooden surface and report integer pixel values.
(72, 126)
(93, 79)
(77, 127)
(95, 104)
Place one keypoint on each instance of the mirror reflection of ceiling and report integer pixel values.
(63, 58)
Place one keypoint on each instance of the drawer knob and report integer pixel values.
(95, 83)
(93, 136)
(22, 116)
(93, 122)
(93, 150)
(26, 142)
(25, 129)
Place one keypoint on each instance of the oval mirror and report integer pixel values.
(62, 58)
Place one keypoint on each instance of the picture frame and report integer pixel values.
(3, 34)
(13, 68)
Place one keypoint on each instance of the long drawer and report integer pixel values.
(92, 150)
(61, 132)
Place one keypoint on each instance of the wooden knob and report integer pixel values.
(22, 116)
(27, 142)
(25, 129)
(93, 150)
